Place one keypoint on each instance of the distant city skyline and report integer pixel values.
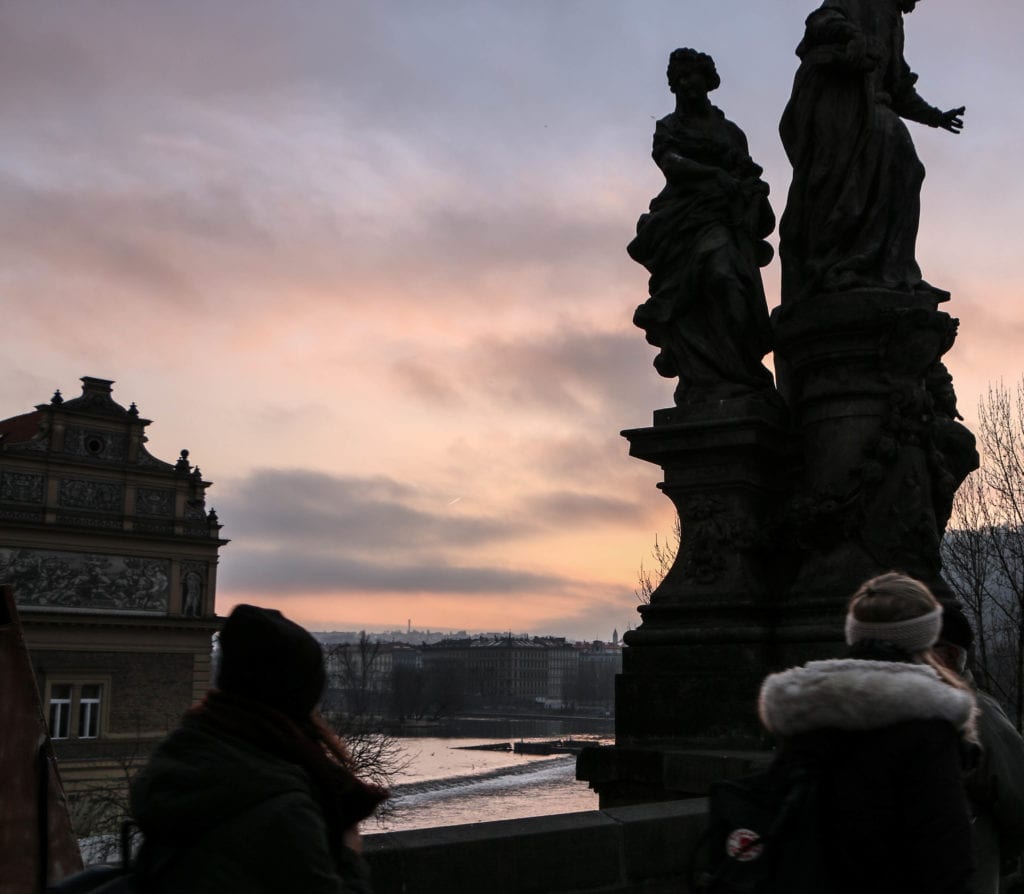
(453, 633)
(367, 263)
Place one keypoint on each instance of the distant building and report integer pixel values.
(367, 674)
(112, 556)
(562, 660)
(599, 663)
(506, 670)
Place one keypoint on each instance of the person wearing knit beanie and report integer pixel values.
(269, 659)
(883, 730)
(253, 791)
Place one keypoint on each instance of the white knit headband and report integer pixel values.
(913, 635)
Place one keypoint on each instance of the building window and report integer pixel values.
(60, 711)
(89, 711)
(76, 710)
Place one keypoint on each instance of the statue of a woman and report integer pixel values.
(703, 243)
(852, 214)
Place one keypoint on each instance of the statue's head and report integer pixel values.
(685, 61)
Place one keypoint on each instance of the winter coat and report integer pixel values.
(220, 815)
(889, 737)
(996, 792)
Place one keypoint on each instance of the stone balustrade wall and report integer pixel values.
(646, 848)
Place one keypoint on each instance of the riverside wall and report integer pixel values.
(645, 848)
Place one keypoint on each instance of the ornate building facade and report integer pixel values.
(112, 557)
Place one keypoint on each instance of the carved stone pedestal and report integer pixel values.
(691, 671)
(881, 453)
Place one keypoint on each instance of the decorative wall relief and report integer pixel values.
(22, 487)
(36, 516)
(86, 580)
(90, 521)
(85, 493)
(154, 501)
(95, 443)
(155, 527)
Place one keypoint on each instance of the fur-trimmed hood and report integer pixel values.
(857, 694)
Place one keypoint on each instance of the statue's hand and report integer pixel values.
(952, 120)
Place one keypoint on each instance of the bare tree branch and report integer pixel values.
(983, 551)
(664, 554)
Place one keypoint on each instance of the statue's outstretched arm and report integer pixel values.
(908, 104)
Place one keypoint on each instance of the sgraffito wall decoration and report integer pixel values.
(22, 487)
(86, 580)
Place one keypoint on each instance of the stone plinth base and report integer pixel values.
(881, 452)
(724, 466)
(622, 775)
(692, 670)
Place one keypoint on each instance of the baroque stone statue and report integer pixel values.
(703, 243)
(852, 215)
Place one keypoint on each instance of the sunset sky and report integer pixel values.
(366, 261)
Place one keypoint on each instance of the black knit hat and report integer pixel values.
(267, 658)
(956, 629)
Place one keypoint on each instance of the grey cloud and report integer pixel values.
(526, 231)
(431, 383)
(186, 48)
(346, 515)
(584, 509)
(597, 456)
(69, 234)
(133, 238)
(295, 571)
(170, 173)
(604, 371)
(595, 375)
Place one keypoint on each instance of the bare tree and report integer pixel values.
(663, 554)
(358, 691)
(100, 808)
(983, 551)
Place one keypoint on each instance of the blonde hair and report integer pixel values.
(896, 597)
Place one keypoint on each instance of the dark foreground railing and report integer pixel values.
(626, 849)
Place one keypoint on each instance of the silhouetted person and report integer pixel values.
(889, 727)
(253, 793)
(996, 786)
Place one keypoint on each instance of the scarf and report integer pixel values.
(342, 796)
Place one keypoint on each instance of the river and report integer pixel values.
(448, 784)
